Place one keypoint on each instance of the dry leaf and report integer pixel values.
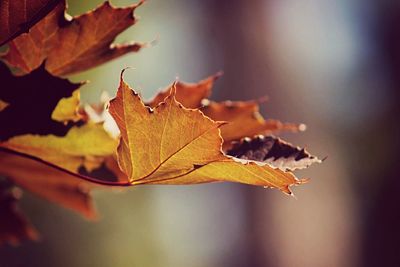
(243, 117)
(69, 45)
(174, 145)
(55, 184)
(32, 99)
(14, 227)
(189, 95)
(67, 109)
(273, 150)
(17, 17)
(87, 146)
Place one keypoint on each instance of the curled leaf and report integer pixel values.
(273, 150)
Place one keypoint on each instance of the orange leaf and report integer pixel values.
(69, 45)
(189, 95)
(244, 119)
(47, 181)
(18, 16)
(174, 145)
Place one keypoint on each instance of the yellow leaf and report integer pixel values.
(171, 144)
(67, 108)
(86, 145)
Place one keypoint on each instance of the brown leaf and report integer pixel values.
(244, 119)
(273, 150)
(17, 17)
(14, 227)
(69, 45)
(31, 100)
(189, 95)
(174, 145)
(48, 181)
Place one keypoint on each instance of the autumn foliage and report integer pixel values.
(56, 149)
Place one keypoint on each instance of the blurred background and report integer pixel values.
(333, 65)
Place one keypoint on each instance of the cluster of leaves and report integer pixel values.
(59, 150)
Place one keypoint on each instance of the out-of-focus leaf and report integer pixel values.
(55, 184)
(67, 109)
(14, 227)
(68, 45)
(31, 100)
(174, 145)
(244, 119)
(18, 16)
(189, 95)
(3, 105)
(273, 150)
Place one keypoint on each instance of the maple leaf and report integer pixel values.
(236, 113)
(273, 150)
(17, 17)
(32, 132)
(86, 146)
(31, 100)
(48, 181)
(244, 119)
(171, 144)
(69, 45)
(14, 227)
(189, 95)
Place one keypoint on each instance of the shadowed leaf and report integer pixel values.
(17, 17)
(31, 100)
(273, 150)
